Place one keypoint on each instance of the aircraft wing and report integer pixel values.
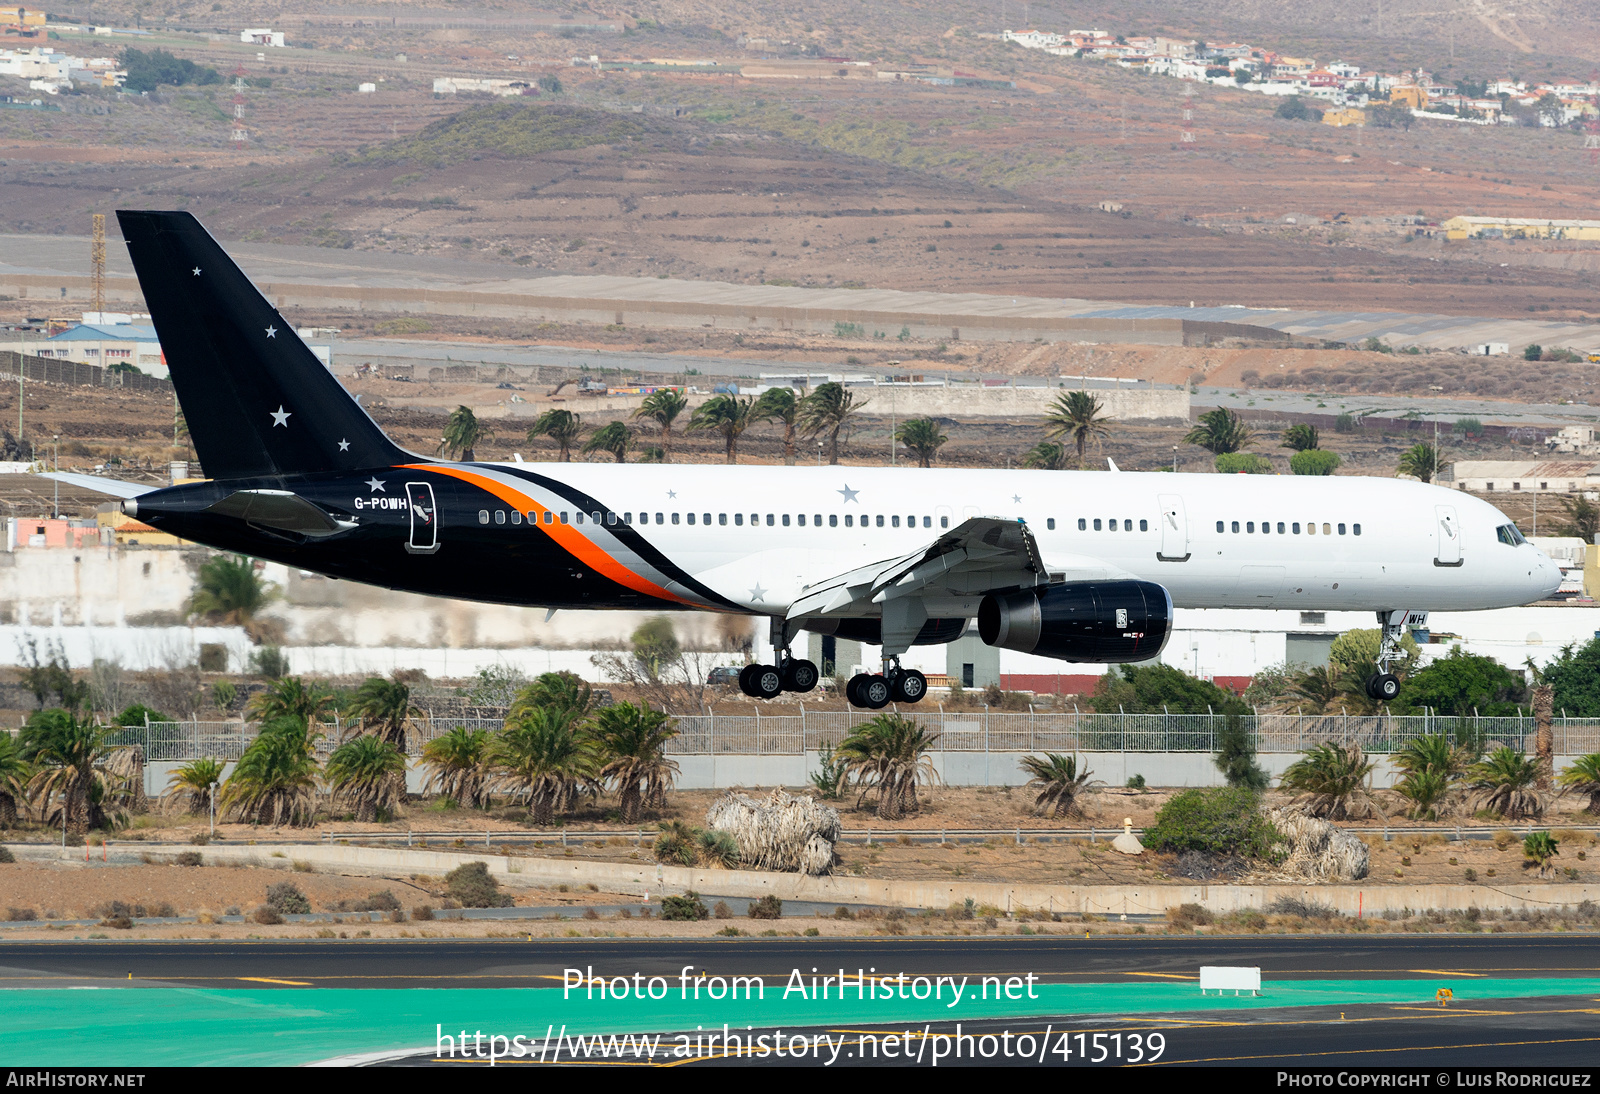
(115, 487)
(979, 555)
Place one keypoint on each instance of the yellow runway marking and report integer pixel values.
(1448, 972)
(1375, 1051)
(270, 980)
(1168, 975)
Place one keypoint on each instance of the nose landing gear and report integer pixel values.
(1385, 686)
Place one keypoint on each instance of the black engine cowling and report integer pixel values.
(1095, 621)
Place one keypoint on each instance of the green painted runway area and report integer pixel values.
(179, 1026)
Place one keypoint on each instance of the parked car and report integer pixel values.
(724, 677)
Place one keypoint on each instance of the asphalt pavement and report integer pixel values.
(518, 962)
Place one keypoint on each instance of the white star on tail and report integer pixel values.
(195, 271)
(344, 446)
(375, 485)
(280, 417)
(272, 332)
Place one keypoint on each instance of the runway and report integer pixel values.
(517, 963)
(1517, 999)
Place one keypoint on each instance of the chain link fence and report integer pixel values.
(957, 731)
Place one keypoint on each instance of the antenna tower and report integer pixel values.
(238, 136)
(1188, 113)
(97, 262)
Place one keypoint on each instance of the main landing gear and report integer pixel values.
(789, 674)
(893, 685)
(1385, 686)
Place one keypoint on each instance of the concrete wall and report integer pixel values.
(1122, 404)
(655, 879)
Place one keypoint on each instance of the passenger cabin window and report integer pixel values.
(1144, 526)
(833, 520)
(1096, 524)
(1051, 524)
(516, 517)
(1341, 529)
(499, 516)
(1356, 528)
(944, 522)
(1082, 524)
(691, 518)
(483, 516)
(707, 519)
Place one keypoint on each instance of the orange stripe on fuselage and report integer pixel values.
(575, 542)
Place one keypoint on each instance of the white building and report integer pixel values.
(264, 36)
(1527, 476)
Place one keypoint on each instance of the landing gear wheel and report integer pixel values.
(800, 676)
(852, 690)
(1384, 687)
(767, 682)
(874, 692)
(747, 683)
(910, 686)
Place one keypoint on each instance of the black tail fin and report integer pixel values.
(256, 399)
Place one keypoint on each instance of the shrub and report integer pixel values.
(841, 912)
(422, 913)
(380, 900)
(1243, 463)
(688, 906)
(471, 884)
(1189, 915)
(189, 858)
(1135, 782)
(1344, 423)
(1314, 461)
(286, 898)
(6, 855)
(117, 922)
(721, 910)
(1302, 907)
(397, 916)
(21, 915)
(267, 915)
(768, 907)
(1220, 821)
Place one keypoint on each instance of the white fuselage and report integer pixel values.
(761, 535)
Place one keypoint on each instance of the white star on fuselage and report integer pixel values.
(344, 446)
(849, 494)
(757, 593)
(672, 493)
(272, 332)
(1017, 498)
(281, 417)
(375, 485)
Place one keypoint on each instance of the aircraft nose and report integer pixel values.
(1548, 578)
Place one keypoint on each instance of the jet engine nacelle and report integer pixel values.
(1099, 621)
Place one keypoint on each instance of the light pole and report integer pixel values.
(213, 789)
(819, 452)
(55, 443)
(1174, 457)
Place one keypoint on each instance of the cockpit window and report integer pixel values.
(1508, 534)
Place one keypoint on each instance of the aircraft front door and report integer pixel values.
(1449, 533)
(424, 519)
(1174, 530)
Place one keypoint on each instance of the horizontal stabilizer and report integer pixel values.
(281, 511)
(115, 487)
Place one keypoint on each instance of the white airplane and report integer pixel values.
(1080, 566)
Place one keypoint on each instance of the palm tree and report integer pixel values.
(1046, 456)
(1332, 782)
(1221, 431)
(1433, 766)
(562, 426)
(275, 780)
(72, 761)
(1506, 783)
(633, 743)
(14, 775)
(663, 406)
(189, 787)
(1076, 415)
(1539, 848)
(779, 404)
(727, 415)
(369, 773)
(565, 691)
(827, 410)
(463, 433)
(458, 765)
(922, 438)
(546, 755)
(385, 709)
(1320, 689)
(1420, 461)
(1301, 438)
(888, 754)
(291, 697)
(229, 590)
(615, 438)
(1059, 783)
(1583, 777)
